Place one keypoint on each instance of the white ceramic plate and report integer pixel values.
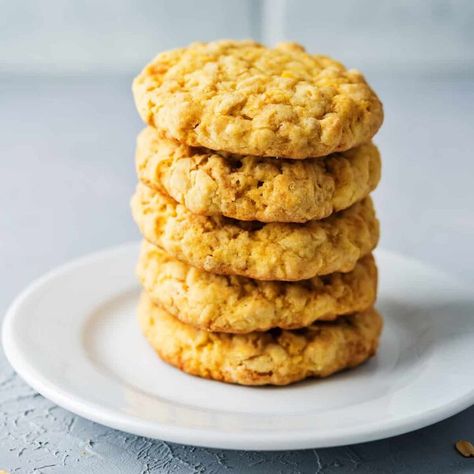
(72, 335)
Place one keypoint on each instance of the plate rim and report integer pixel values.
(206, 437)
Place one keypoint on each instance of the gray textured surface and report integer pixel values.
(66, 173)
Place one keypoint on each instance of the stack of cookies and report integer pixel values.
(255, 172)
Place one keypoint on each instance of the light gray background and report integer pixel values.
(67, 131)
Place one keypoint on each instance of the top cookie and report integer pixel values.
(241, 97)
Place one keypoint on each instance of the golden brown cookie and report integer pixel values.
(241, 97)
(240, 305)
(254, 188)
(276, 357)
(274, 251)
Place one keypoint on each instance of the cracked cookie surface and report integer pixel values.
(277, 357)
(256, 188)
(241, 305)
(273, 251)
(241, 97)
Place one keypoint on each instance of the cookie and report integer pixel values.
(254, 188)
(240, 305)
(241, 97)
(276, 357)
(273, 251)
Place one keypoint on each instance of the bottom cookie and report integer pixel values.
(276, 357)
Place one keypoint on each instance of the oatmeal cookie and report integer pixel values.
(237, 304)
(241, 97)
(273, 251)
(256, 188)
(276, 357)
